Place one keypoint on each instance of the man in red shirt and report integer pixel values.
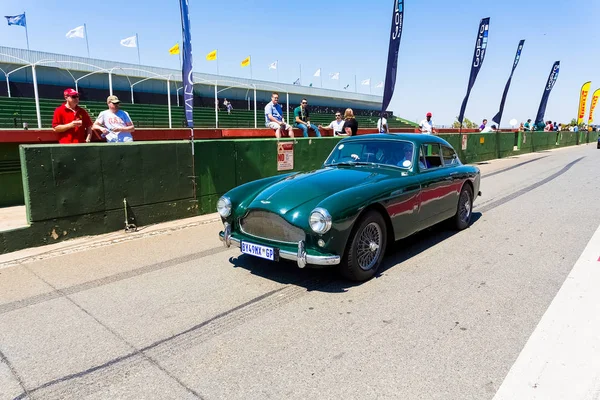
(71, 122)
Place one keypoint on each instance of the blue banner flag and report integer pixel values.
(16, 20)
(498, 116)
(478, 56)
(188, 80)
(392, 61)
(549, 85)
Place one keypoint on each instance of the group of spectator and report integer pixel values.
(346, 126)
(74, 125)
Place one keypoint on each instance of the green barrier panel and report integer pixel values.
(64, 181)
(11, 187)
(525, 142)
(594, 137)
(481, 147)
(506, 144)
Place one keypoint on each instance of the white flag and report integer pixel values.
(335, 76)
(318, 73)
(76, 33)
(129, 42)
(366, 82)
(273, 65)
(379, 85)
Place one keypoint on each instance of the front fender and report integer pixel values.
(346, 206)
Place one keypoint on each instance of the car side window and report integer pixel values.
(449, 155)
(422, 160)
(433, 155)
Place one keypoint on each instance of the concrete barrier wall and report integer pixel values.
(72, 191)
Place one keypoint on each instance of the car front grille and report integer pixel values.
(270, 226)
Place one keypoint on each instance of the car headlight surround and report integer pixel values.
(320, 220)
(224, 206)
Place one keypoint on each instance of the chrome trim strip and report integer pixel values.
(288, 255)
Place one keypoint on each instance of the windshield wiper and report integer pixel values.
(350, 163)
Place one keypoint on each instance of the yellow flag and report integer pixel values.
(212, 56)
(246, 61)
(174, 49)
(585, 89)
(595, 97)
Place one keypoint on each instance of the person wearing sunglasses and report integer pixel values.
(71, 122)
(337, 125)
(302, 119)
(114, 123)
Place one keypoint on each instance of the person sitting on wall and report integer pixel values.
(71, 122)
(115, 124)
(337, 125)
(274, 117)
(302, 117)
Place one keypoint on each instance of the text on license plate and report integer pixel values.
(258, 250)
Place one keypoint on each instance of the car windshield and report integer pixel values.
(396, 153)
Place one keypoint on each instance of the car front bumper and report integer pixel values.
(300, 256)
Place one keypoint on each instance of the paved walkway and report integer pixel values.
(12, 218)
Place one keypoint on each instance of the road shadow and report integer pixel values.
(328, 280)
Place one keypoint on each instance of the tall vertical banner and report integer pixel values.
(478, 56)
(498, 117)
(549, 85)
(188, 81)
(593, 106)
(583, 95)
(392, 61)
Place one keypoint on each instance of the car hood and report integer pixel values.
(300, 193)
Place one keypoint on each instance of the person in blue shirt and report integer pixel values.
(274, 117)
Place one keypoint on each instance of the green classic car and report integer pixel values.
(371, 191)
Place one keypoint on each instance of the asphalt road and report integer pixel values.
(177, 316)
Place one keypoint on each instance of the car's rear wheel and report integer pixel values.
(464, 209)
(366, 248)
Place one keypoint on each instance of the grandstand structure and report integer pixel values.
(34, 83)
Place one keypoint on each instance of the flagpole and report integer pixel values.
(137, 44)
(369, 85)
(250, 67)
(217, 61)
(180, 63)
(26, 31)
(277, 68)
(355, 87)
(86, 39)
(300, 74)
(321, 76)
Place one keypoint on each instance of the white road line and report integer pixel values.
(561, 359)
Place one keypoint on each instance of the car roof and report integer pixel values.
(417, 138)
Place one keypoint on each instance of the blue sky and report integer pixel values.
(350, 37)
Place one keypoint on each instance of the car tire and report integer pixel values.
(464, 208)
(366, 248)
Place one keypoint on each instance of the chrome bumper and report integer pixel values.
(300, 256)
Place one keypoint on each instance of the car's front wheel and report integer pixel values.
(366, 248)
(464, 209)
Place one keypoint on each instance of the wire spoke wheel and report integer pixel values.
(369, 246)
(465, 206)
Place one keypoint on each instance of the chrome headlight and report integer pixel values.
(320, 220)
(224, 207)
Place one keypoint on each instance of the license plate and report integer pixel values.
(268, 253)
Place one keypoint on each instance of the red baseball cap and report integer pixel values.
(71, 92)
(428, 114)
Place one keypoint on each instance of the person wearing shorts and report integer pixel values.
(274, 117)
